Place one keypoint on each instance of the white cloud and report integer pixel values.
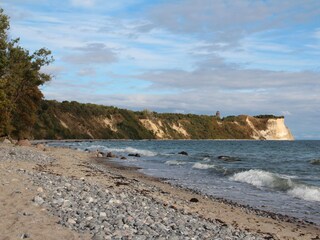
(93, 53)
(83, 3)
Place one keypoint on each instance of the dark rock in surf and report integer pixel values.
(111, 155)
(123, 158)
(134, 155)
(183, 153)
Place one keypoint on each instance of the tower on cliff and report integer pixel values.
(218, 114)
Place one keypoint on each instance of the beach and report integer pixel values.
(61, 193)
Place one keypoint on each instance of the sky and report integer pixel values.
(188, 56)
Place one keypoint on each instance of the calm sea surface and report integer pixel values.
(277, 176)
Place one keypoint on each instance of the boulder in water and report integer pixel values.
(315, 162)
(111, 155)
(134, 155)
(183, 153)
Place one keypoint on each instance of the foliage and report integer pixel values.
(269, 116)
(20, 78)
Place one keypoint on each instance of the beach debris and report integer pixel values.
(183, 153)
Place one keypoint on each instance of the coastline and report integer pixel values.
(77, 168)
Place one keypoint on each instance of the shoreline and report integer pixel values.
(81, 168)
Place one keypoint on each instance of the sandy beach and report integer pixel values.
(59, 193)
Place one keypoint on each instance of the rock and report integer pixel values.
(24, 236)
(38, 200)
(25, 143)
(102, 214)
(134, 155)
(183, 153)
(40, 147)
(6, 141)
(111, 155)
(194, 200)
(123, 158)
(71, 221)
(40, 189)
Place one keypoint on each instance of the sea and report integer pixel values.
(277, 176)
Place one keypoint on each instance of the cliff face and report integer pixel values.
(275, 130)
(72, 120)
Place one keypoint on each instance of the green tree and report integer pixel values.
(20, 78)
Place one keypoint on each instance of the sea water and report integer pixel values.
(277, 176)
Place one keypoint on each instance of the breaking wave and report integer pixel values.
(142, 152)
(203, 166)
(306, 192)
(260, 178)
(175, 162)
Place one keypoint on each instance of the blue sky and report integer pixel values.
(189, 56)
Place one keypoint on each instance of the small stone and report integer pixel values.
(71, 221)
(89, 218)
(114, 201)
(194, 200)
(90, 200)
(38, 200)
(24, 236)
(40, 189)
(102, 214)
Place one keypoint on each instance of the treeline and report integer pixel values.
(20, 78)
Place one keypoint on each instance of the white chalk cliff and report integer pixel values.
(275, 130)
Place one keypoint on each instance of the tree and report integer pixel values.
(20, 78)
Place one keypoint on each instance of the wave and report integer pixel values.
(315, 162)
(128, 150)
(174, 162)
(203, 166)
(260, 178)
(307, 193)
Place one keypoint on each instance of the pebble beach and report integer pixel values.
(60, 193)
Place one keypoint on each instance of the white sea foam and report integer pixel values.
(306, 192)
(133, 150)
(174, 162)
(206, 159)
(260, 178)
(203, 166)
(257, 178)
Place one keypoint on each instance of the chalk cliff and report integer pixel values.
(72, 120)
(275, 129)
